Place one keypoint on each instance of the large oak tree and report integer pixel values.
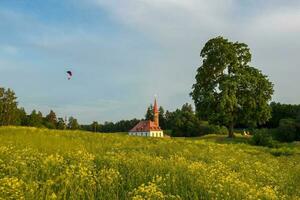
(227, 89)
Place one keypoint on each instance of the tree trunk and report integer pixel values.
(231, 133)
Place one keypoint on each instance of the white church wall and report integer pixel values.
(157, 134)
(142, 134)
(147, 134)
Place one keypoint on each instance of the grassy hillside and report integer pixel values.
(43, 164)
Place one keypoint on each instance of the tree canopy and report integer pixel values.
(73, 123)
(282, 111)
(51, 120)
(149, 113)
(183, 122)
(227, 89)
(8, 107)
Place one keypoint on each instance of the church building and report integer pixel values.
(148, 128)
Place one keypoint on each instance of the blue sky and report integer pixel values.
(124, 52)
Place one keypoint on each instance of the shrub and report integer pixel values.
(49, 125)
(184, 123)
(298, 127)
(262, 137)
(168, 132)
(284, 151)
(212, 129)
(287, 130)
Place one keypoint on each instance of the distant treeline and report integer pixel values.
(110, 127)
(181, 122)
(282, 111)
(184, 122)
(11, 114)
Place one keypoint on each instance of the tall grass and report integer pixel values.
(44, 164)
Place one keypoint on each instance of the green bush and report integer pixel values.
(262, 137)
(284, 151)
(207, 128)
(287, 130)
(168, 132)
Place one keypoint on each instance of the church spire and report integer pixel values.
(156, 113)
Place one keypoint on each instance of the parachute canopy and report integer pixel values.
(70, 74)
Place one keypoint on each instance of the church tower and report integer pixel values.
(148, 128)
(156, 113)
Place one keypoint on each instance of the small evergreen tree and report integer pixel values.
(149, 114)
(51, 120)
(162, 118)
(73, 124)
(61, 125)
(35, 119)
(22, 117)
(95, 126)
(183, 122)
(8, 107)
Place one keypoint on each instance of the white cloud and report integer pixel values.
(276, 23)
(123, 68)
(171, 19)
(270, 28)
(273, 38)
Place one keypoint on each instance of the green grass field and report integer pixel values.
(44, 164)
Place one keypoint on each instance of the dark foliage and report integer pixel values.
(111, 127)
(284, 151)
(73, 124)
(50, 121)
(9, 113)
(282, 111)
(228, 91)
(287, 130)
(207, 128)
(180, 123)
(149, 113)
(184, 122)
(262, 137)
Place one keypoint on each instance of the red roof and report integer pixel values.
(145, 126)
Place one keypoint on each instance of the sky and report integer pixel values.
(123, 52)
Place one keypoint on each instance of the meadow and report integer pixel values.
(50, 164)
